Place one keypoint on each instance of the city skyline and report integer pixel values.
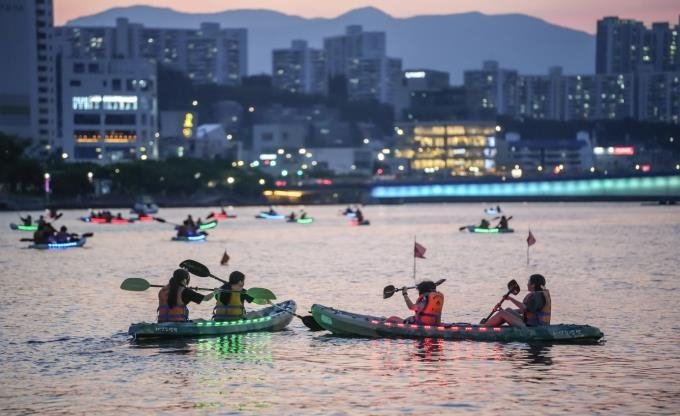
(578, 14)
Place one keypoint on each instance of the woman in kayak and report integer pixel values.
(428, 306)
(174, 297)
(230, 299)
(534, 310)
(503, 223)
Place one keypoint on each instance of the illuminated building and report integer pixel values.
(299, 69)
(454, 148)
(27, 96)
(108, 110)
(492, 90)
(541, 96)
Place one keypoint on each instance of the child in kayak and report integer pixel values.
(428, 306)
(230, 299)
(534, 310)
(174, 297)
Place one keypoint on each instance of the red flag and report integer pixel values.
(225, 258)
(531, 240)
(419, 251)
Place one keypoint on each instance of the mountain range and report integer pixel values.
(452, 42)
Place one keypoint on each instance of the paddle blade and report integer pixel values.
(259, 301)
(159, 219)
(195, 268)
(513, 287)
(135, 284)
(388, 291)
(87, 235)
(439, 282)
(311, 323)
(260, 293)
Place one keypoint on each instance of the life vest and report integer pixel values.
(431, 314)
(233, 310)
(178, 313)
(541, 317)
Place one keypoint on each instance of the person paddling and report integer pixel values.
(28, 220)
(503, 223)
(229, 305)
(534, 310)
(428, 306)
(174, 297)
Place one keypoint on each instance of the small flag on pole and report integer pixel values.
(531, 240)
(225, 258)
(418, 251)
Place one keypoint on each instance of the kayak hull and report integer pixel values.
(59, 246)
(265, 216)
(190, 239)
(302, 220)
(268, 319)
(20, 227)
(208, 225)
(474, 229)
(95, 220)
(355, 222)
(350, 324)
(222, 216)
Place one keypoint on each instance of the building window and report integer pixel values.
(78, 68)
(119, 119)
(86, 119)
(93, 68)
(74, 83)
(116, 85)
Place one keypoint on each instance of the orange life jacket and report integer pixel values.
(178, 313)
(233, 310)
(541, 317)
(431, 314)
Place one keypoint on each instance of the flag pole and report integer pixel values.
(414, 259)
(528, 254)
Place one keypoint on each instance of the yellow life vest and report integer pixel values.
(233, 310)
(541, 317)
(178, 313)
(431, 314)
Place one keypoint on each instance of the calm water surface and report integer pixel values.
(64, 347)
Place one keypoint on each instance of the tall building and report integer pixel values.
(540, 96)
(27, 94)
(659, 97)
(299, 69)
(209, 54)
(360, 57)
(492, 90)
(625, 45)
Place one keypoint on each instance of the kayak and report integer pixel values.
(208, 225)
(352, 324)
(21, 227)
(475, 229)
(355, 222)
(191, 238)
(221, 216)
(302, 220)
(97, 220)
(491, 211)
(349, 214)
(272, 318)
(266, 216)
(57, 246)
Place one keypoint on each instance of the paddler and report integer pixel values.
(174, 297)
(230, 299)
(428, 307)
(534, 310)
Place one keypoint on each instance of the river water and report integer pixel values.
(64, 347)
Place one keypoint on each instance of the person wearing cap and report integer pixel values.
(427, 308)
(230, 299)
(174, 297)
(534, 310)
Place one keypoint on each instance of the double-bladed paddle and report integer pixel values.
(137, 284)
(199, 269)
(390, 290)
(513, 288)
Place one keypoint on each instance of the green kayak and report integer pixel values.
(21, 227)
(272, 318)
(352, 324)
(475, 229)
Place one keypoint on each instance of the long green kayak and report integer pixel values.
(352, 324)
(272, 318)
(475, 229)
(21, 227)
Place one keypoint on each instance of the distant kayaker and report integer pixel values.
(271, 211)
(484, 224)
(174, 297)
(428, 306)
(292, 216)
(63, 236)
(229, 305)
(190, 222)
(303, 214)
(503, 223)
(359, 215)
(28, 220)
(534, 310)
(348, 210)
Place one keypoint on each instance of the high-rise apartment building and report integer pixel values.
(299, 69)
(492, 89)
(27, 94)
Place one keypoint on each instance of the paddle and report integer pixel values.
(159, 219)
(513, 288)
(84, 235)
(463, 227)
(308, 320)
(390, 290)
(137, 284)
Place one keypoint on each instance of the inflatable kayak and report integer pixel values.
(97, 220)
(208, 225)
(352, 324)
(302, 220)
(58, 246)
(221, 216)
(491, 211)
(355, 222)
(20, 227)
(475, 229)
(272, 318)
(145, 218)
(191, 238)
(266, 216)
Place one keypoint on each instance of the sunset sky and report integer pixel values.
(577, 14)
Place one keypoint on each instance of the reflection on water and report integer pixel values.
(253, 347)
